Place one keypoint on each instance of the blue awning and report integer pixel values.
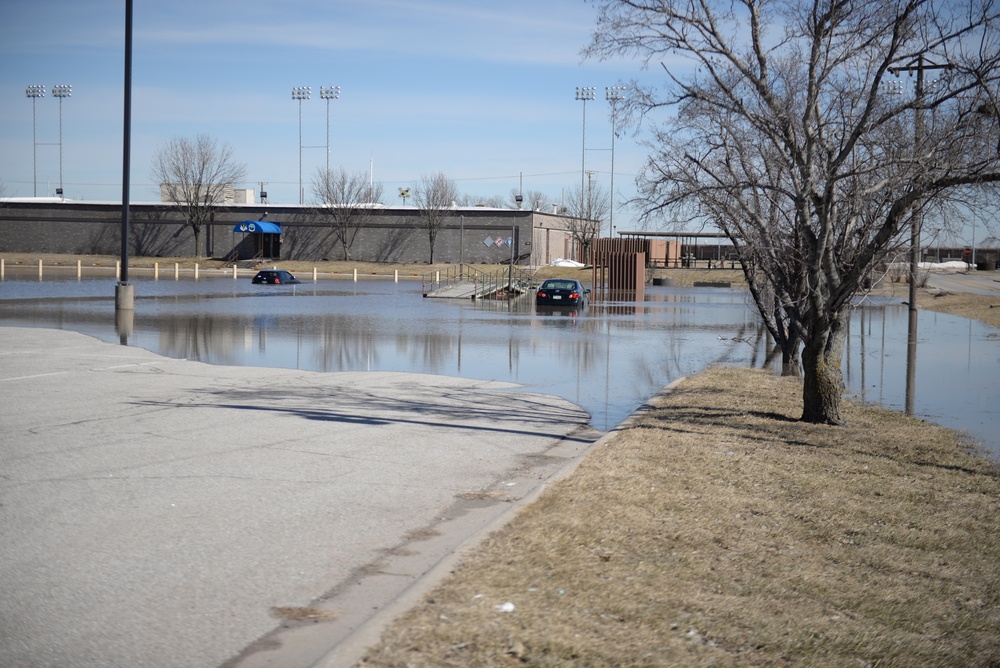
(257, 226)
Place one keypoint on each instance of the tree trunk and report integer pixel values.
(197, 240)
(791, 361)
(823, 381)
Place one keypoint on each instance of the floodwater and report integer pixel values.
(609, 358)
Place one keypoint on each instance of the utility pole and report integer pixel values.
(916, 221)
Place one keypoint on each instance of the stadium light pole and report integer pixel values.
(61, 91)
(34, 92)
(583, 94)
(301, 93)
(614, 95)
(331, 93)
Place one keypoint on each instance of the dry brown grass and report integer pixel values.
(718, 530)
(984, 308)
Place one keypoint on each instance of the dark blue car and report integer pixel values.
(276, 277)
(561, 292)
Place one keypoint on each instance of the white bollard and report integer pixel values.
(355, 274)
(177, 270)
(156, 271)
(395, 276)
(39, 269)
(196, 272)
(118, 269)
(234, 272)
(3, 269)
(79, 270)
(314, 274)
(437, 276)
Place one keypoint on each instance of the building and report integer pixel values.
(390, 234)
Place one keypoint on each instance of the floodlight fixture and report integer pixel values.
(34, 92)
(61, 91)
(584, 94)
(329, 93)
(301, 93)
(614, 95)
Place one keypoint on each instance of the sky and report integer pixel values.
(481, 91)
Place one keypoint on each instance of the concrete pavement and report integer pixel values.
(161, 512)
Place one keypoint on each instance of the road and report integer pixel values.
(161, 512)
(976, 282)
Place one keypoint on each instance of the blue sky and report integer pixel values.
(481, 91)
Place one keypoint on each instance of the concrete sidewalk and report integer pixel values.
(160, 512)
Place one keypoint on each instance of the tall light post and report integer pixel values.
(301, 93)
(34, 92)
(584, 94)
(61, 91)
(331, 93)
(614, 95)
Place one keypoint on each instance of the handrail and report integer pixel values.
(484, 284)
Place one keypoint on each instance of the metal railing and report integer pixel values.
(501, 283)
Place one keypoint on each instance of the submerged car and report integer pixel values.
(561, 292)
(275, 277)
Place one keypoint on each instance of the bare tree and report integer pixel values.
(536, 200)
(346, 202)
(435, 196)
(195, 175)
(785, 136)
(588, 209)
(490, 201)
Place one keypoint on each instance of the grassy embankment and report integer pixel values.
(717, 530)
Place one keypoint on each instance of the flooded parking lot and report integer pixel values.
(608, 358)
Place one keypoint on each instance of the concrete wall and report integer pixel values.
(394, 234)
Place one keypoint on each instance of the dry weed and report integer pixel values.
(721, 531)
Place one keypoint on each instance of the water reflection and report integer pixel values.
(955, 368)
(608, 357)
